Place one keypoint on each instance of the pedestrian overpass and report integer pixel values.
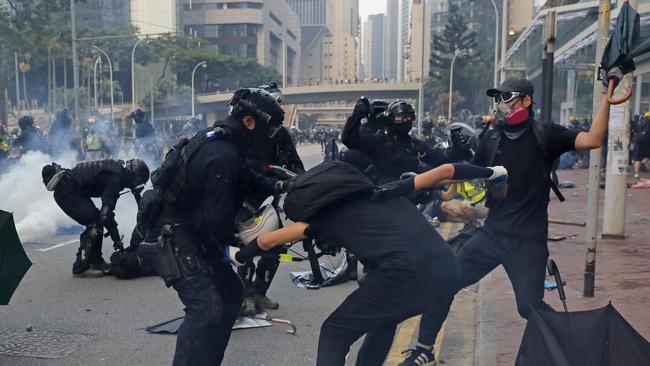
(214, 105)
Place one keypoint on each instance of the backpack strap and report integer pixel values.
(493, 139)
(541, 139)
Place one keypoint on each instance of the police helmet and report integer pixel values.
(259, 104)
(26, 122)
(266, 219)
(273, 89)
(62, 114)
(140, 172)
(400, 112)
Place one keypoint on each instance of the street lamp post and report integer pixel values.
(110, 75)
(97, 62)
(496, 43)
(451, 80)
(204, 65)
(133, 99)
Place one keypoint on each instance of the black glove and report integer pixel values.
(614, 73)
(247, 253)
(362, 108)
(281, 186)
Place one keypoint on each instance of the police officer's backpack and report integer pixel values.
(324, 185)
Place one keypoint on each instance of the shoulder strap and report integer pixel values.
(541, 139)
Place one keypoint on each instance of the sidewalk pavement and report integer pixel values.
(622, 268)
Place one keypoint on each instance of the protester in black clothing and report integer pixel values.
(30, 138)
(73, 192)
(412, 269)
(203, 224)
(515, 231)
(279, 150)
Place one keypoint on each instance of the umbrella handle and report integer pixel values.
(610, 94)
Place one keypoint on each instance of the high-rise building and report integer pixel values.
(373, 46)
(390, 39)
(403, 43)
(104, 13)
(248, 29)
(310, 12)
(420, 40)
(155, 16)
(329, 54)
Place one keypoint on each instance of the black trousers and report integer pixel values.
(75, 204)
(80, 208)
(387, 298)
(523, 259)
(212, 303)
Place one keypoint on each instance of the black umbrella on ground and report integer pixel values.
(600, 337)
(13, 260)
(624, 44)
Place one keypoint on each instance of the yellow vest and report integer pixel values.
(471, 193)
(93, 142)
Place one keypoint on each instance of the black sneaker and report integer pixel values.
(418, 356)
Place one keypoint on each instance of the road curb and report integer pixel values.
(485, 351)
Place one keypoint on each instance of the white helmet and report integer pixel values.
(266, 219)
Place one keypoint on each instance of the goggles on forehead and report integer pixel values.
(505, 97)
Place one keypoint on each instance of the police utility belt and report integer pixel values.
(176, 259)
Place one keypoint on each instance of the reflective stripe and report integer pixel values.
(471, 193)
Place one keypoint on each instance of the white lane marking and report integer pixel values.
(57, 245)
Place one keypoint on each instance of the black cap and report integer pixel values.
(513, 85)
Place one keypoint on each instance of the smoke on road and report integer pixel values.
(36, 214)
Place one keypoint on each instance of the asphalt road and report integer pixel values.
(115, 312)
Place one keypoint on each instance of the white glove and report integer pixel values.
(231, 255)
(497, 171)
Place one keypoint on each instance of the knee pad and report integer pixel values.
(90, 238)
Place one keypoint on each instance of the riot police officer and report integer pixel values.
(30, 138)
(203, 223)
(278, 150)
(386, 141)
(73, 190)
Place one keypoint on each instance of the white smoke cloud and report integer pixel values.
(36, 214)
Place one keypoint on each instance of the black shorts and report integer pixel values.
(641, 151)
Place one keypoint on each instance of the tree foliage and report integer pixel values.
(472, 74)
(454, 37)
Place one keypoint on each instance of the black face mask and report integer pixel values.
(400, 129)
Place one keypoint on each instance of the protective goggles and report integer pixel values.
(505, 97)
(404, 118)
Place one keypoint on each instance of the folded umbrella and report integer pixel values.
(13, 260)
(623, 46)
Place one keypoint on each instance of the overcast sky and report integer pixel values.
(367, 7)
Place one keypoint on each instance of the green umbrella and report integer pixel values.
(624, 44)
(13, 260)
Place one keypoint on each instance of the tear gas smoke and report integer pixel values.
(36, 214)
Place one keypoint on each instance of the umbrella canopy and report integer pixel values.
(624, 44)
(13, 260)
(600, 337)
